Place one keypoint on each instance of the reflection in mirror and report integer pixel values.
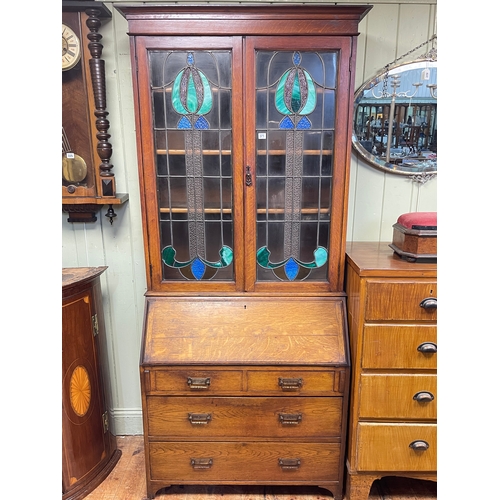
(395, 120)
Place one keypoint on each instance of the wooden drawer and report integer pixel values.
(399, 346)
(279, 417)
(295, 382)
(386, 447)
(390, 300)
(243, 461)
(193, 380)
(398, 396)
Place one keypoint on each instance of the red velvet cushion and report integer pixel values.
(416, 220)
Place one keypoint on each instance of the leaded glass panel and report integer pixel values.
(192, 109)
(295, 115)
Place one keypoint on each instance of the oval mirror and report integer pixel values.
(399, 108)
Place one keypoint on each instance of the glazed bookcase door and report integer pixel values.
(297, 102)
(192, 193)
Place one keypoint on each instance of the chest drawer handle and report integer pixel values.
(198, 383)
(290, 418)
(427, 348)
(199, 418)
(429, 303)
(419, 445)
(423, 397)
(201, 463)
(290, 384)
(289, 463)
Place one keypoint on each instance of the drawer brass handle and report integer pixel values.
(290, 384)
(423, 397)
(290, 418)
(199, 418)
(198, 383)
(427, 348)
(429, 303)
(201, 463)
(419, 445)
(289, 463)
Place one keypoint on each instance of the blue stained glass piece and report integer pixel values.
(304, 123)
(201, 124)
(184, 123)
(190, 58)
(287, 123)
(296, 58)
(291, 269)
(198, 268)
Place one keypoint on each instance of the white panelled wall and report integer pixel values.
(376, 199)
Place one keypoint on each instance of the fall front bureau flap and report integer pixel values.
(245, 331)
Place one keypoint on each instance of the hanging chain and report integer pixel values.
(431, 54)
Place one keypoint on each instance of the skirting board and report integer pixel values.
(126, 421)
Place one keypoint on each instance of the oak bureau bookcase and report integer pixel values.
(243, 120)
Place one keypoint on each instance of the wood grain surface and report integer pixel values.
(127, 481)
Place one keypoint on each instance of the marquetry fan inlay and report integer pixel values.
(80, 393)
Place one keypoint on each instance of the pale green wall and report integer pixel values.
(376, 199)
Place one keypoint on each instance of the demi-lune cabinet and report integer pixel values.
(89, 450)
(243, 120)
(392, 311)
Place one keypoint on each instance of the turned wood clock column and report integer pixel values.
(89, 448)
(88, 181)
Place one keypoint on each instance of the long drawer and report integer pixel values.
(399, 347)
(396, 396)
(277, 417)
(394, 300)
(396, 447)
(201, 462)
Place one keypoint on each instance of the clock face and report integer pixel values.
(71, 48)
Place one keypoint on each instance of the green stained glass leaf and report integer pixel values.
(311, 96)
(176, 95)
(191, 97)
(280, 95)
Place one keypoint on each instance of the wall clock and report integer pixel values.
(88, 182)
(71, 48)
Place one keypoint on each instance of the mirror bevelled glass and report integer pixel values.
(399, 108)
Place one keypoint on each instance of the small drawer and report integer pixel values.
(400, 346)
(401, 300)
(271, 462)
(223, 418)
(295, 382)
(397, 447)
(195, 381)
(398, 396)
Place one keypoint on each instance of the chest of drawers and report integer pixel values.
(392, 312)
(238, 392)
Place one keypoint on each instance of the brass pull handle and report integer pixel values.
(199, 418)
(419, 445)
(429, 303)
(289, 463)
(290, 384)
(290, 418)
(248, 177)
(427, 348)
(423, 397)
(198, 383)
(201, 463)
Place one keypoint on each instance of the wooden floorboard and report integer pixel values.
(127, 481)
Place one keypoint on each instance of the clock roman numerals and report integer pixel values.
(71, 49)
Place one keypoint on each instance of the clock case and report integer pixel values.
(84, 117)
